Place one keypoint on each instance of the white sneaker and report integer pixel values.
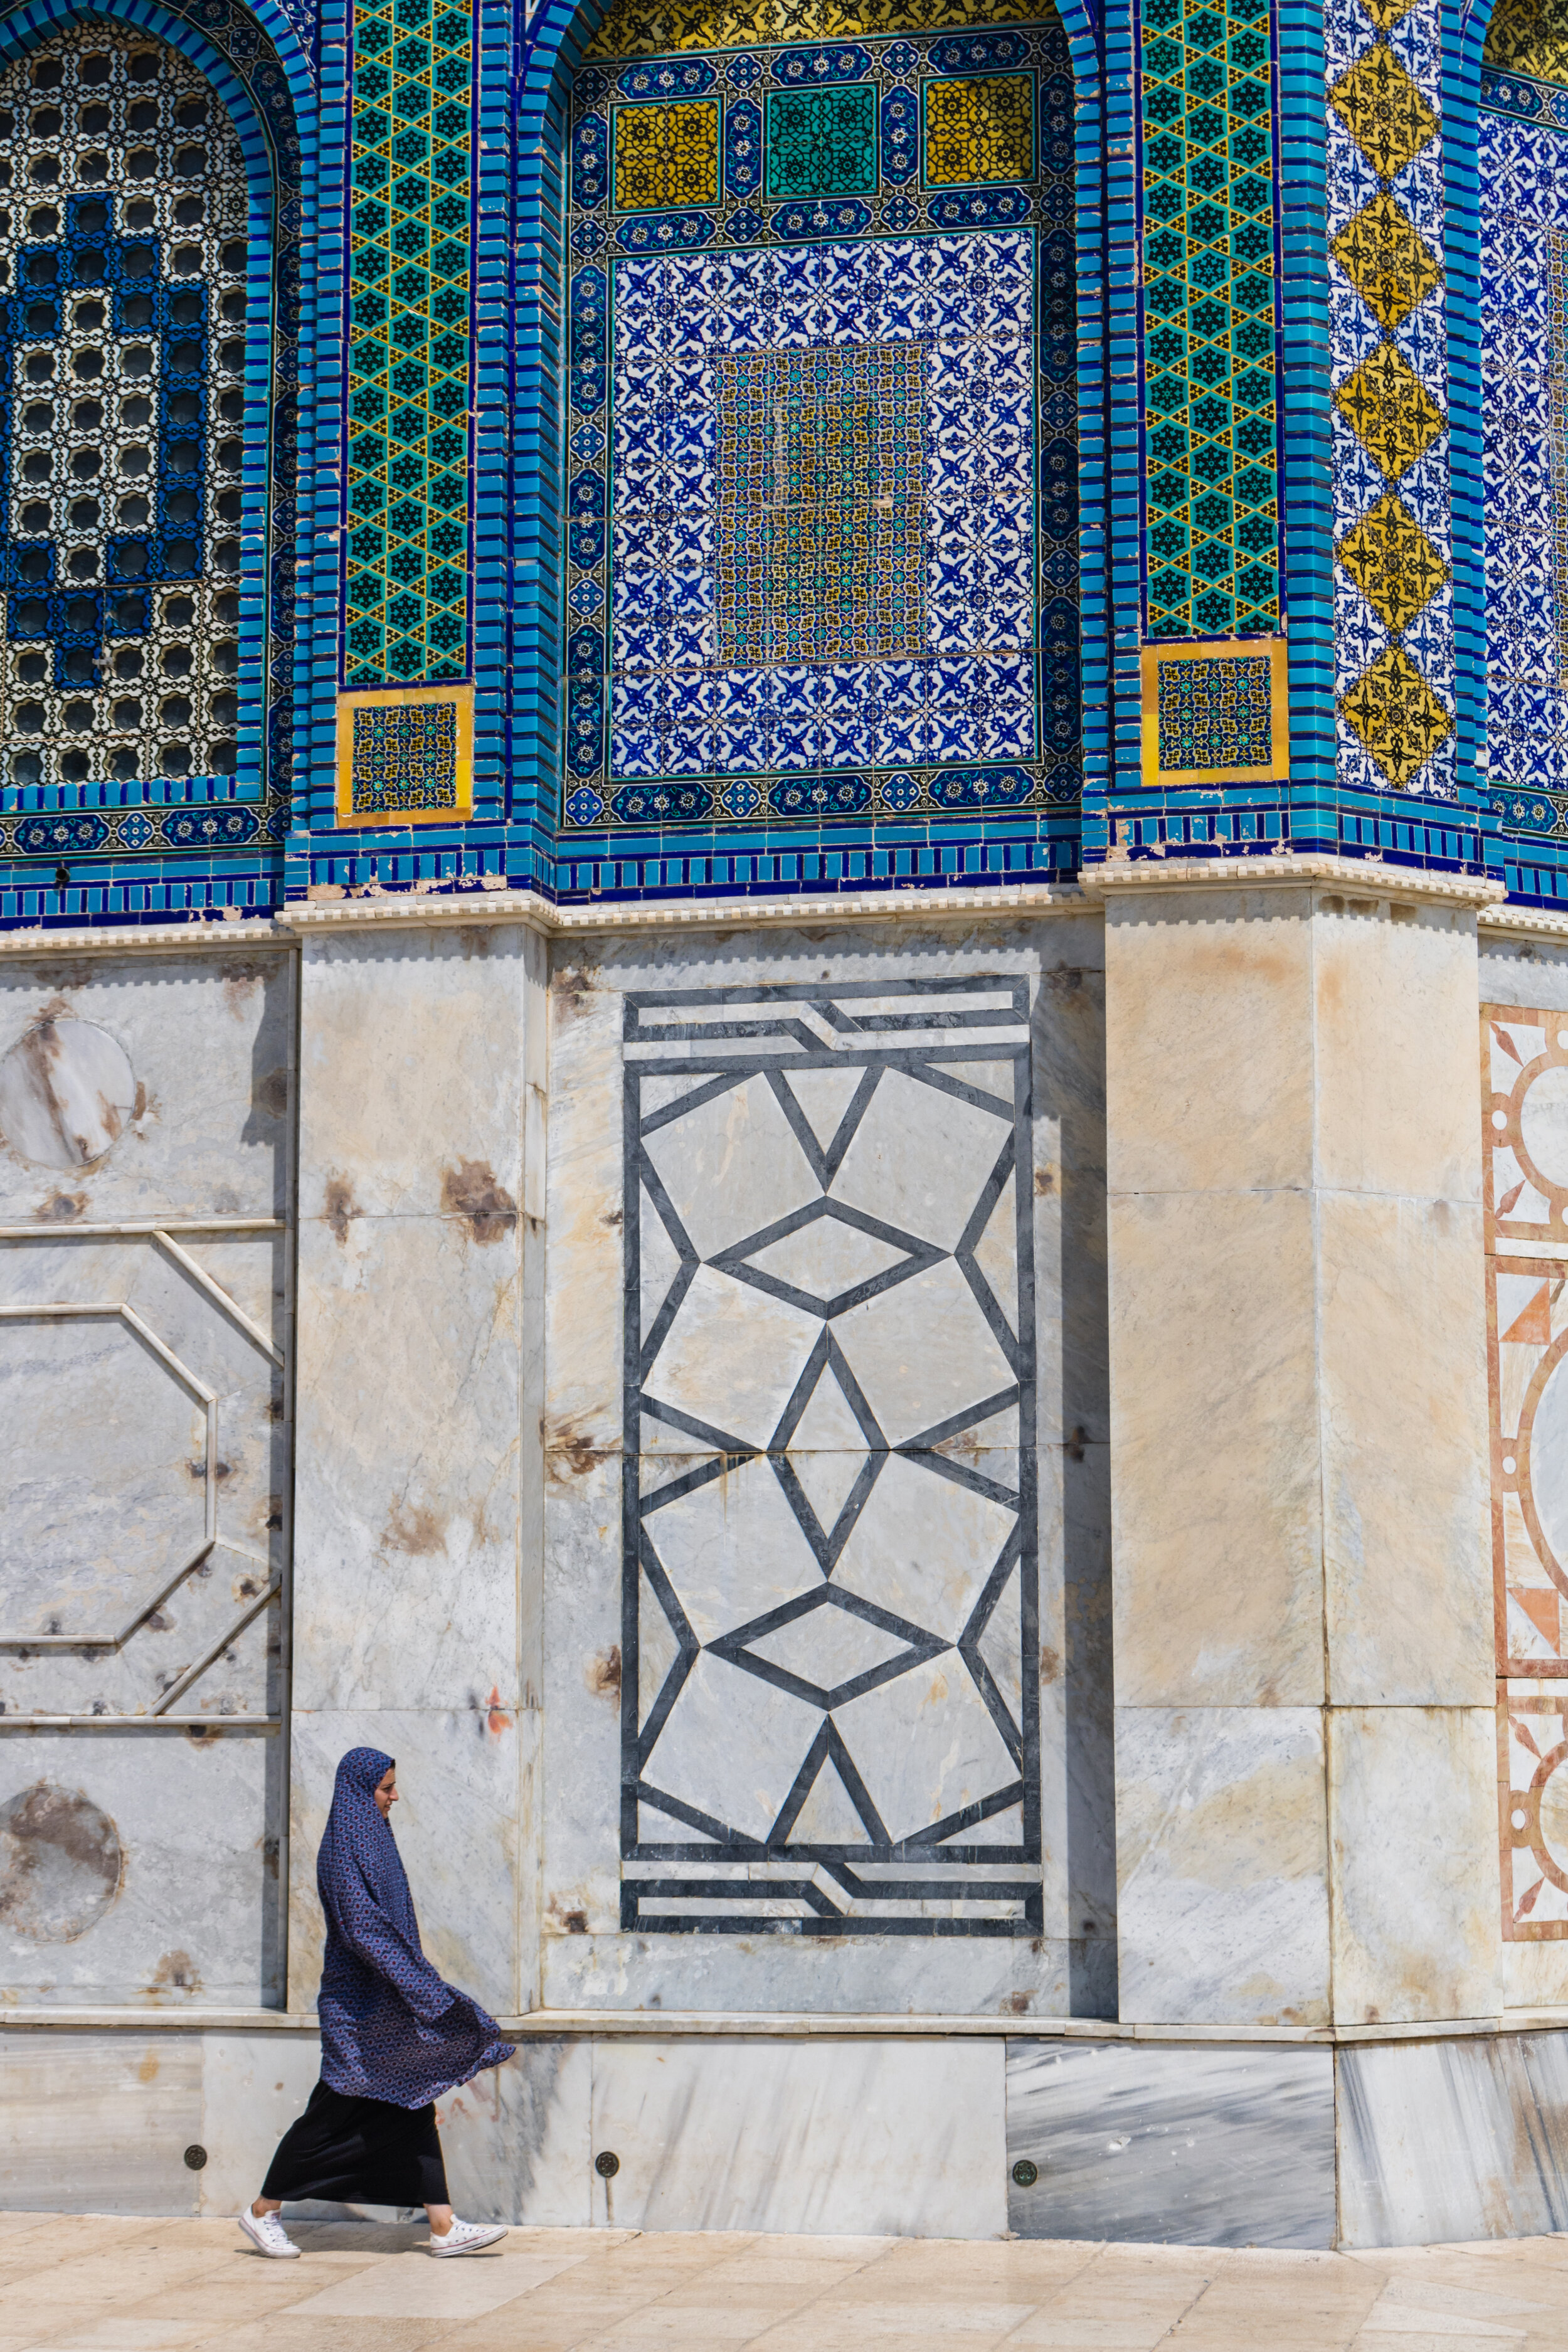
(467, 2237)
(267, 2236)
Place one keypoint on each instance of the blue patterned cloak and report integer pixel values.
(391, 2029)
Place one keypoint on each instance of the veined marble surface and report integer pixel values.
(855, 2137)
(1222, 1846)
(1198, 2145)
(1460, 2139)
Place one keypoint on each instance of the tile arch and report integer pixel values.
(559, 39)
(256, 68)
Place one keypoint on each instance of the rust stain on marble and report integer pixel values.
(469, 1190)
(60, 1208)
(61, 1863)
(603, 1674)
(571, 1452)
(177, 1973)
(414, 1529)
(340, 1206)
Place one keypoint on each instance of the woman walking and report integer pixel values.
(394, 2037)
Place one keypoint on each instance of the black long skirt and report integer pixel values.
(359, 2152)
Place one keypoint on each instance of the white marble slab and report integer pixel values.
(1524, 971)
(1219, 1583)
(864, 1975)
(153, 1850)
(1413, 1809)
(413, 1071)
(98, 2123)
(1222, 1856)
(851, 2137)
(208, 1039)
(1200, 2145)
(408, 1488)
(254, 2086)
(1453, 2140)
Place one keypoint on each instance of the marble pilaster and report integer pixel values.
(1298, 1447)
(416, 1627)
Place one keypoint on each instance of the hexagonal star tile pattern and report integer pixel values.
(408, 524)
(1211, 477)
(829, 1532)
(1523, 174)
(1393, 623)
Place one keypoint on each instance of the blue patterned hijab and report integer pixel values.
(391, 2029)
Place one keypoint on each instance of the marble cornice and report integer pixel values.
(669, 2025)
(1357, 876)
(407, 910)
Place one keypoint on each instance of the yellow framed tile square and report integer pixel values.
(979, 130)
(664, 152)
(405, 755)
(1216, 711)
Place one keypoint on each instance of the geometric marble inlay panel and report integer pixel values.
(1525, 1160)
(830, 1722)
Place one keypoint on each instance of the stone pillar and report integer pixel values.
(417, 1542)
(1306, 1816)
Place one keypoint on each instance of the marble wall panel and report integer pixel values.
(412, 1072)
(407, 1491)
(1522, 972)
(253, 2086)
(108, 1496)
(983, 1976)
(1393, 1003)
(1202, 2145)
(854, 2138)
(518, 2141)
(144, 1867)
(458, 1826)
(1455, 2140)
(1209, 1040)
(1408, 1567)
(197, 1068)
(1412, 1819)
(140, 1867)
(587, 1958)
(1535, 1975)
(1223, 1861)
(1215, 1467)
(98, 2123)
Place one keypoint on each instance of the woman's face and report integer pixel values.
(386, 1790)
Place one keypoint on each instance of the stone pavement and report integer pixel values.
(78, 2283)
